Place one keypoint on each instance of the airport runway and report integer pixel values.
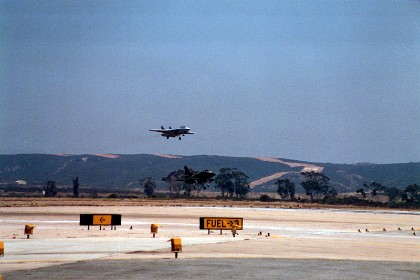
(303, 243)
(211, 268)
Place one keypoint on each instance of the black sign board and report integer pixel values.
(100, 219)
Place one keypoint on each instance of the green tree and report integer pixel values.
(332, 192)
(265, 198)
(76, 187)
(232, 181)
(50, 190)
(242, 187)
(412, 194)
(188, 188)
(286, 189)
(376, 188)
(362, 192)
(149, 185)
(224, 181)
(174, 185)
(393, 193)
(316, 185)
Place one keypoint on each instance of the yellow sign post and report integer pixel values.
(29, 229)
(154, 229)
(176, 246)
(1, 248)
(221, 223)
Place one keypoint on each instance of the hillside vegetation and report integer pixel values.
(124, 171)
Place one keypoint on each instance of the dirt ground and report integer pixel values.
(342, 240)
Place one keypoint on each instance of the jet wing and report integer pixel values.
(159, 130)
(179, 131)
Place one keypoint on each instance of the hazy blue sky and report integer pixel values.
(328, 81)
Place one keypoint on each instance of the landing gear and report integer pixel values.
(179, 137)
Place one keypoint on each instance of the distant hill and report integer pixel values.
(124, 171)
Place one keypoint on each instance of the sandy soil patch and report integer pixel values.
(306, 166)
(167, 156)
(107, 155)
(267, 179)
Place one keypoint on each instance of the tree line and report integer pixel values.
(317, 188)
(233, 183)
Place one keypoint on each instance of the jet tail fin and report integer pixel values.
(188, 171)
(162, 127)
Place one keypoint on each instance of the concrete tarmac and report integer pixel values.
(210, 268)
(302, 244)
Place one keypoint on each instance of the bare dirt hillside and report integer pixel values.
(306, 167)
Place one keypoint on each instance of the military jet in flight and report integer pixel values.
(173, 132)
(199, 178)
